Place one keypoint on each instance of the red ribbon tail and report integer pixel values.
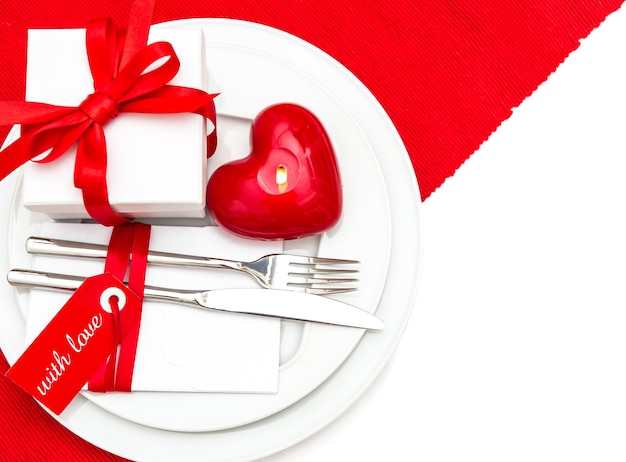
(137, 276)
(36, 140)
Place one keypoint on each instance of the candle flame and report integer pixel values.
(281, 178)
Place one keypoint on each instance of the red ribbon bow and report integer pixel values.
(139, 86)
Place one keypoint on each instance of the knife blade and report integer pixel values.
(284, 304)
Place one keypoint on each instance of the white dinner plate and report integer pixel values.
(311, 352)
(315, 409)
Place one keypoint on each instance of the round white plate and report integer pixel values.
(311, 352)
(319, 407)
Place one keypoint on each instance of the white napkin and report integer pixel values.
(180, 348)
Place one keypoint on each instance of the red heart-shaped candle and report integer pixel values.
(288, 187)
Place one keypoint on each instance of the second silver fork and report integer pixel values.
(313, 275)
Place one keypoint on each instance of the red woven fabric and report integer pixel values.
(447, 72)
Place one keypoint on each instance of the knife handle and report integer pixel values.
(65, 282)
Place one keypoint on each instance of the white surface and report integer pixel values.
(517, 348)
(345, 386)
(144, 151)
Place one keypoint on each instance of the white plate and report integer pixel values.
(315, 410)
(310, 352)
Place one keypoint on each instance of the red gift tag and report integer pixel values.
(77, 341)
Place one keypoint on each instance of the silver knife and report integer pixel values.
(282, 304)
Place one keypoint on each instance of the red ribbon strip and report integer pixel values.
(128, 250)
(131, 88)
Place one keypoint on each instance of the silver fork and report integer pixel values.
(313, 275)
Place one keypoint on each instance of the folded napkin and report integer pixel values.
(180, 348)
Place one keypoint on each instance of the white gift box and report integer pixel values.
(156, 162)
(180, 348)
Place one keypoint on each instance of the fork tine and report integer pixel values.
(302, 260)
(333, 261)
(304, 271)
(307, 281)
(325, 291)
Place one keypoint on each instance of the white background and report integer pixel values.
(516, 350)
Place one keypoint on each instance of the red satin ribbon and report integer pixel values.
(128, 252)
(118, 89)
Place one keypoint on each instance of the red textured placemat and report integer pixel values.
(447, 72)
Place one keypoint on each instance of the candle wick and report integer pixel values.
(281, 178)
